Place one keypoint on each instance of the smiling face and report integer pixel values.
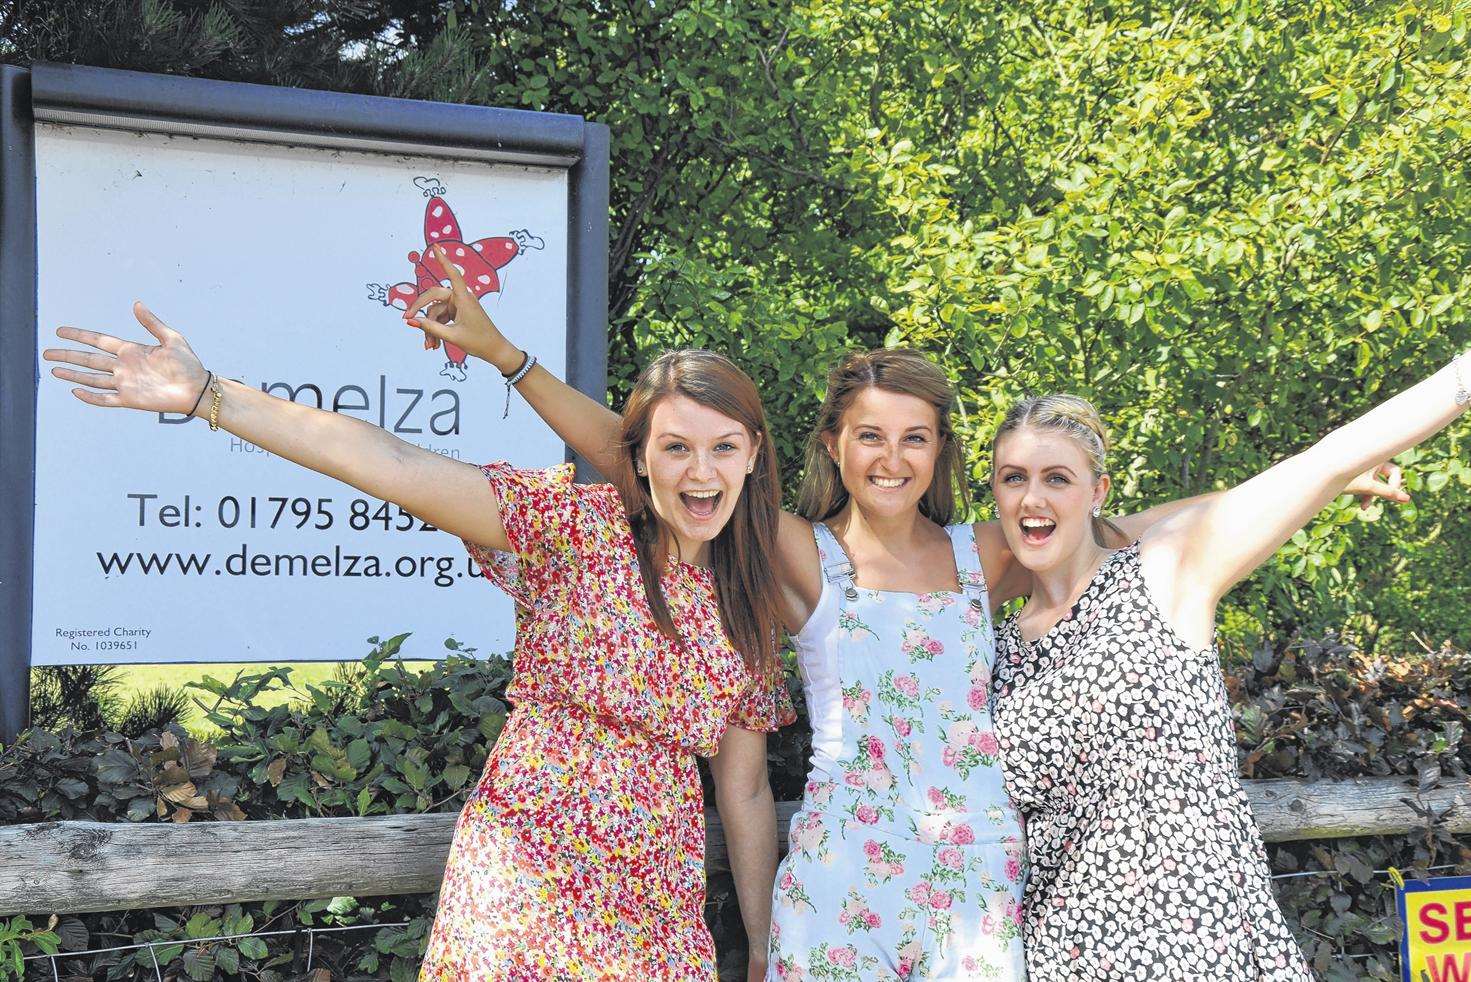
(1045, 496)
(886, 446)
(696, 461)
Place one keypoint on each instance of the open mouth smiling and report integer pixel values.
(1036, 531)
(701, 504)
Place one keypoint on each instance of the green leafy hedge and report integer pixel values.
(387, 740)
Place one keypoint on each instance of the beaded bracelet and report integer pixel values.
(528, 362)
(214, 406)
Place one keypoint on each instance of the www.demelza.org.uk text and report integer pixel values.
(442, 571)
(150, 510)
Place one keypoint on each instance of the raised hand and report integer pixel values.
(453, 314)
(1385, 481)
(166, 377)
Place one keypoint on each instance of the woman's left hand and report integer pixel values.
(453, 314)
(1385, 481)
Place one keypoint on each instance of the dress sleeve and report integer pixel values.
(540, 515)
(765, 706)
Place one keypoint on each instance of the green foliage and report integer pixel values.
(1232, 225)
(284, 42)
(86, 697)
(79, 696)
(382, 739)
(377, 739)
(17, 935)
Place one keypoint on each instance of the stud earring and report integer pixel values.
(640, 470)
(1097, 510)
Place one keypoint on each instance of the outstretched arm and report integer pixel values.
(1008, 579)
(1382, 481)
(1220, 541)
(748, 815)
(592, 429)
(168, 377)
(453, 314)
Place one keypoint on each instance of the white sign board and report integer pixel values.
(157, 540)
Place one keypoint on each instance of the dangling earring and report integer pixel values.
(751, 467)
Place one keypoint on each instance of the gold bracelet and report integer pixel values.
(214, 405)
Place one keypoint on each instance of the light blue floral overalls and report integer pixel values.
(907, 860)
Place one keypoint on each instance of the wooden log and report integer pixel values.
(1288, 809)
(62, 867)
(74, 867)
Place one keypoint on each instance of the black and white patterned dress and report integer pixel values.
(1117, 745)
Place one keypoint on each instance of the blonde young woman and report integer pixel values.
(646, 622)
(906, 857)
(1111, 711)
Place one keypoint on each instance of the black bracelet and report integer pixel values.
(525, 357)
(516, 376)
(208, 378)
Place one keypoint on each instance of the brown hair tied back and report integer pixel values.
(741, 554)
(906, 372)
(1077, 419)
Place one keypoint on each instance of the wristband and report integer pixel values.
(527, 364)
(208, 377)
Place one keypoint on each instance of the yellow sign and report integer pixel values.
(1437, 942)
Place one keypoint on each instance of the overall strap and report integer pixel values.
(837, 568)
(968, 564)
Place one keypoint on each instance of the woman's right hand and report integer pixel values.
(166, 377)
(453, 314)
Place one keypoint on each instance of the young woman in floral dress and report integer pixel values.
(646, 625)
(1112, 714)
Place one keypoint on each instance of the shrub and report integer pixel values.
(381, 739)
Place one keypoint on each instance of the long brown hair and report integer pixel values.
(907, 372)
(741, 555)
(1077, 419)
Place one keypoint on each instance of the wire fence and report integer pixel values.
(311, 932)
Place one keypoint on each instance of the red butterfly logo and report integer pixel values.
(478, 262)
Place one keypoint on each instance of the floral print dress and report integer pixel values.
(906, 858)
(581, 852)
(1146, 864)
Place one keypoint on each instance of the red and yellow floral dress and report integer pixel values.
(581, 853)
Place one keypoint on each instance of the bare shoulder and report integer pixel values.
(1006, 579)
(991, 542)
(799, 568)
(797, 557)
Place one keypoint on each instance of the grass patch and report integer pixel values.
(134, 680)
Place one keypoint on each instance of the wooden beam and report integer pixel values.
(73, 867)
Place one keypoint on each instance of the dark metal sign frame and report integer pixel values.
(253, 113)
